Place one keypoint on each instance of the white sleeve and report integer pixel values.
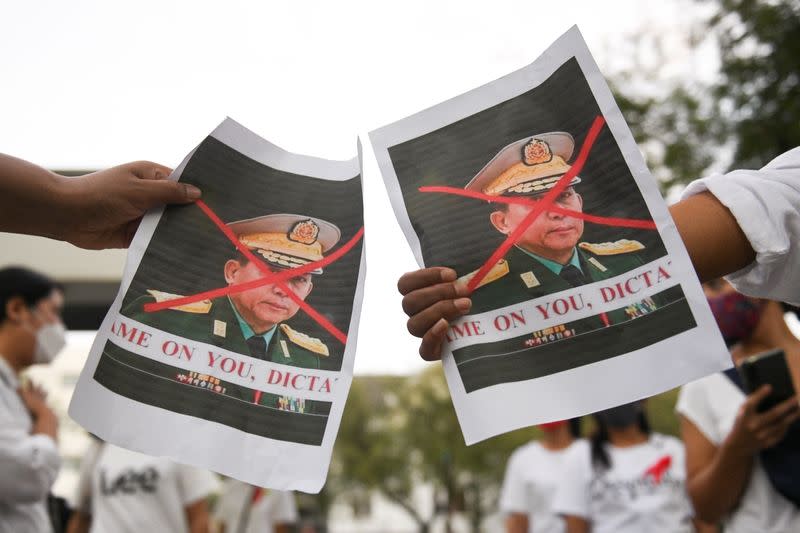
(693, 404)
(196, 484)
(284, 508)
(766, 205)
(572, 494)
(512, 495)
(28, 467)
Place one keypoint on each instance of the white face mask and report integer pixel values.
(50, 340)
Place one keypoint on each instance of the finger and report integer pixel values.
(420, 323)
(431, 346)
(416, 301)
(772, 436)
(425, 277)
(159, 192)
(148, 170)
(778, 412)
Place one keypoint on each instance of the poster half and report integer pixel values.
(533, 189)
(230, 345)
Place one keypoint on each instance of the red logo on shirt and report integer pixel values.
(658, 469)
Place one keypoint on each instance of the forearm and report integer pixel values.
(714, 240)
(199, 525)
(517, 523)
(717, 488)
(79, 523)
(197, 516)
(27, 189)
(576, 524)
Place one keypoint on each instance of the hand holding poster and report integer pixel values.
(231, 342)
(534, 191)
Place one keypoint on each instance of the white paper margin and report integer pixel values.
(590, 388)
(155, 431)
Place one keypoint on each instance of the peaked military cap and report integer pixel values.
(527, 167)
(287, 240)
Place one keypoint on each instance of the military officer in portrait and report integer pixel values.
(549, 256)
(253, 322)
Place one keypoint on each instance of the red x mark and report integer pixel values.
(541, 206)
(270, 277)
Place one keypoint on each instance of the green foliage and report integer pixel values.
(661, 413)
(745, 118)
(397, 433)
(759, 91)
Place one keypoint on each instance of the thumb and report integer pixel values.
(158, 192)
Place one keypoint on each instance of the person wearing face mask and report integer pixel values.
(631, 481)
(742, 463)
(532, 475)
(31, 332)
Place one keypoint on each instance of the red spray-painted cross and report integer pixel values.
(270, 277)
(546, 204)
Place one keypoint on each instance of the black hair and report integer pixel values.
(789, 308)
(20, 282)
(241, 258)
(575, 427)
(599, 438)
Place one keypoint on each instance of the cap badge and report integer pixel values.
(304, 232)
(536, 152)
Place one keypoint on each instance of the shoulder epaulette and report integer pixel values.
(202, 307)
(304, 341)
(622, 246)
(498, 271)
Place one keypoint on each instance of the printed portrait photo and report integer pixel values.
(280, 221)
(470, 185)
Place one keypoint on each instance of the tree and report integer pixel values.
(745, 118)
(759, 91)
(372, 451)
(398, 433)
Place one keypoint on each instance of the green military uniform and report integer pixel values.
(524, 278)
(219, 326)
(530, 168)
(282, 241)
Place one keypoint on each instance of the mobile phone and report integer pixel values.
(768, 368)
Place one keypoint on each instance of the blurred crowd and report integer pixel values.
(736, 466)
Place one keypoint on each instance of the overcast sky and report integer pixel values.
(88, 84)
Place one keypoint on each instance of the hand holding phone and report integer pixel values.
(768, 368)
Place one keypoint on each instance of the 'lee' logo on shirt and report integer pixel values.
(129, 481)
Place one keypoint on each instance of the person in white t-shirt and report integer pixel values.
(122, 491)
(631, 481)
(243, 508)
(532, 475)
(723, 431)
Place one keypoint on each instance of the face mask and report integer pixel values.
(736, 315)
(621, 416)
(552, 426)
(50, 340)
